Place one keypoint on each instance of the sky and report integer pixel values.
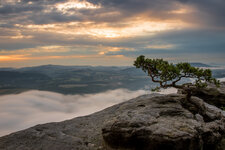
(110, 32)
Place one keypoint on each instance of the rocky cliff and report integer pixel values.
(151, 122)
(211, 94)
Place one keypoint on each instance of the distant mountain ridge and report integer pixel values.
(197, 64)
(78, 79)
(70, 79)
(50, 66)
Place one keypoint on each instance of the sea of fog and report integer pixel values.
(20, 111)
(222, 79)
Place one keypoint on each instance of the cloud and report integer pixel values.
(109, 11)
(222, 79)
(35, 107)
(135, 26)
(208, 45)
(207, 12)
(30, 108)
(177, 44)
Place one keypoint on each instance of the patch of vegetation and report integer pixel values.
(223, 108)
(168, 75)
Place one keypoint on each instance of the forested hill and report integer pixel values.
(77, 79)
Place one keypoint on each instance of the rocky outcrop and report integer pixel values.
(166, 122)
(149, 122)
(211, 94)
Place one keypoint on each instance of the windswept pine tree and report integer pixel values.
(168, 74)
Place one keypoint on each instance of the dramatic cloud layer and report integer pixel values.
(91, 31)
(30, 108)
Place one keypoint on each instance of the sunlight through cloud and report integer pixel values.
(75, 4)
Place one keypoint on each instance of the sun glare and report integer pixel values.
(102, 30)
(75, 4)
(138, 28)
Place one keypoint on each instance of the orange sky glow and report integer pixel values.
(93, 29)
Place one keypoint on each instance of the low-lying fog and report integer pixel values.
(30, 108)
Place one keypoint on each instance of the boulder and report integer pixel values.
(211, 94)
(166, 122)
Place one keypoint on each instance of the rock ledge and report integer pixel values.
(150, 122)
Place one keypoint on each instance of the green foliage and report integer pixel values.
(168, 74)
(223, 108)
(157, 89)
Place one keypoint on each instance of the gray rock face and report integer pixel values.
(166, 122)
(160, 122)
(211, 94)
